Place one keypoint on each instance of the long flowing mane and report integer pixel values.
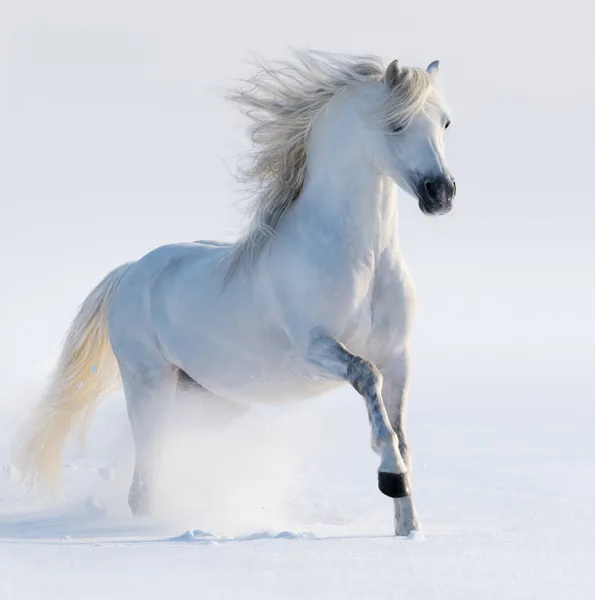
(282, 100)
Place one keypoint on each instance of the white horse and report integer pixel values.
(314, 295)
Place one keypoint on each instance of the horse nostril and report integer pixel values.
(430, 188)
(454, 187)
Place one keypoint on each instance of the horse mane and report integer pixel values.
(283, 100)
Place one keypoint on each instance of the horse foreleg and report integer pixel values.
(336, 361)
(394, 393)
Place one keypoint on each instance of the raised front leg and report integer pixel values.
(394, 392)
(337, 362)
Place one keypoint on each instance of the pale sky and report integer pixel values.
(116, 139)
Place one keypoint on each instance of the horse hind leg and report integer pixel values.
(149, 388)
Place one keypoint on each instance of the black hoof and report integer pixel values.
(393, 485)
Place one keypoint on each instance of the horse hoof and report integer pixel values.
(393, 485)
(414, 535)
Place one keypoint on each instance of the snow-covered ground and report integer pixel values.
(284, 505)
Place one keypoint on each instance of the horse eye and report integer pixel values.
(447, 125)
(396, 128)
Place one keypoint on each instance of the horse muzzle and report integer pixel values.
(436, 195)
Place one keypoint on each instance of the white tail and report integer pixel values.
(86, 370)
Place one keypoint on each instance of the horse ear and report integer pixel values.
(433, 68)
(393, 74)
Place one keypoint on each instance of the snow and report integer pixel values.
(505, 494)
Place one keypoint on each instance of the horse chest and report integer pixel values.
(391, 313)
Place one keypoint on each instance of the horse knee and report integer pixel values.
(364, 376)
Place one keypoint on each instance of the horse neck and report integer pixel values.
(345, 192)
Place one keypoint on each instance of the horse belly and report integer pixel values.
(232, 349)
(248, 374)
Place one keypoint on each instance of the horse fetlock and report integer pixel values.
(139, 496)
(391, 460)
(138, 501)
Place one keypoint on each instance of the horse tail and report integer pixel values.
(86, 370)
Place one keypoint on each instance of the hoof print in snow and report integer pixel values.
(393, 485)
